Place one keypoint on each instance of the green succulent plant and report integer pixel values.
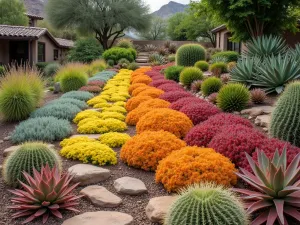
(211, 85)
(233, 97)
(219, 59)
(25, 158)
(231, 56)
(206, 204)
(79, 95)
(189, 74)
(276, 188)
(157, 59)
(173, 72)
(202, 65)
(189, 54)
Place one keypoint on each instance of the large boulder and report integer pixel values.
(130, 186)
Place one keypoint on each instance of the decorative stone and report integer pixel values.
(13, 148)
(88, 174)
(93, 136)
(100, 218)
(100, 196)
(263, 120)
(56, 88)
(130, 186)
(258, 110)
(265, 129)
(157, 208)
(1, 141)
(7, 138)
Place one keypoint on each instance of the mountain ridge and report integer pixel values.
(170, 9)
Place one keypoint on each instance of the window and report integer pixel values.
(41, 52)
(55, 54)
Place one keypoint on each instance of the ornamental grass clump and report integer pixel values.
(175, 96)
(114, 139)
(29, 156)
(134, 102)
(46, 194)
(199, 112)
(189, 75)
(211, 85)
(207, 203)
(169, 120)
(192, 165)
(72, 79)
(145, 150)
(47, 129)
(79, 95)
(177, 105)
(90, 152)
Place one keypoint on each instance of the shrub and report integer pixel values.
(234, 140)
(134, 86)
(123, 63)
(207, 203)
(196, 86)
(210, 52)
(47, 129)
(171, 58)
(29, 156)
(202, 65)
(152, 92)
(51, 69)
(134, 116)
(97, 66)
(114, 139)
(189, 54)
(192, 165)
(65, 111)
(2, 70)
(212, 98)
(150, 48)
(173, 72)
(211, 85)
(230, 56)
(156, 59)
(79, 95)
(233, 97)
(174, 96)
(117, 53)
(170, 87)
(110, 62)
(218, 68)
(162, 51)
(165, 119)
(113, 115)
(225, 78)
(138, 90)
(222, 119)
(189, 75)
(230, 66)
(80, 104)
(177, 105)
(38, 196)
(157, 83)
(172, 48)
(258, 96)
(283, 125)
(41, 66)
(72, 80)
(155, 103)
(96, 83)
(134, 102)
(133, 66)
(199, 112)
(124, 43)
(100, 126)
(90, 152)
(91, 88)
(148, 148)
(85, 50)
(142, 79)
(86, 114)
(115, 108)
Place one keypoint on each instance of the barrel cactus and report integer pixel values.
(189, 54)
(211, 85)
(207, 204)
(284, 122)
(28, 156)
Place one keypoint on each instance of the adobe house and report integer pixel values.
(31, 44)
(223, 39)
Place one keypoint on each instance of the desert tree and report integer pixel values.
(157, 30)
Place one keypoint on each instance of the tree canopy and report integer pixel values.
(12, 12)
(157, 29)
(106, 18)
(249, 19)
(174, 30)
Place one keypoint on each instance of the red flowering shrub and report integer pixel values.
(234, 140)
(222, 119)
(185, 101)
(134, 102)
(170, 87)
(153, 73)
(148, 148)
(199, 112)
(165, 119)
(157, 83)
(212, 98)
(157, 77)
(159, 68)
(174, 96)
(91, 88)
(96, 83)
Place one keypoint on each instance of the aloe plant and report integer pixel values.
(277, 188)
(275, 72)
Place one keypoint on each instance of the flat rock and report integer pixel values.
(13, 148)
(258, 110)
(100, 218)
(263, 120)
(88, 174)
(100, 196)
(130, 186)
(157, 208)
(93, 136)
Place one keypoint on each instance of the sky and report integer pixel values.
(156, 4)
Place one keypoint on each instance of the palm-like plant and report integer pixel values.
(277, 187)
(266, 46)
(276, 71)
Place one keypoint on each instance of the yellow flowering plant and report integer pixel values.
(113, 115)
(86, 114)
(119, 109)
(114, 139)
(99, 126)
(75, 140)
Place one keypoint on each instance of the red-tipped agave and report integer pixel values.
(277, 188)
(45, 194)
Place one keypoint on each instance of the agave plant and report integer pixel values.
(276, 71)
(156, 59)
(150, 48)
(45, 194)
(264, 46)
(295, 52)
(277, 188)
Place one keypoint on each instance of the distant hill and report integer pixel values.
(36, 7)
(169, 9)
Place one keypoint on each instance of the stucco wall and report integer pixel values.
(4, 52)
(49, 49)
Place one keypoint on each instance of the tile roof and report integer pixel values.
(65, 43)
(34, 16)
(20, 31)
(219, 28)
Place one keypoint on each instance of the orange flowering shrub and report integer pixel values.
(134, 102)
(141, 79)
(192, 165)
(153, 92)
(134, 116)
(165, 119)
(138, 90)
(154, 103)
(134, 86)
(148, 148)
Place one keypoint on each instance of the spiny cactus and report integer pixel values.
(211, 85)
(30, 155)
(189, 74)
(284, 122)
(189, 54)
(207, 204)
(202, 65)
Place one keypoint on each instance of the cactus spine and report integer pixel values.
(189, 54)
